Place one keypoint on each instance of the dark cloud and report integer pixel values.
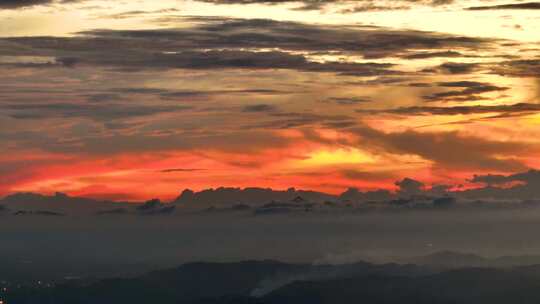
(373, 7)
(11, 4)
(16, 4)
(231, 59)
(428, 55)
(181, 95)
(359, 5)
(102, 97)
(420, 85)
(518, 68)
(154, 207)
(349, 100)
(454, 68)
(194, 94)
(470, 91)
(462, 84)
(139, 13)
(284, 120)
(140, 90)
(97, 111)
(181, 170)
(511, 6)
(446, 149)
(529, 177)
(259, 108)
(237, 142)
(410, 187)
(523, 186)
(225, 43)
(519, 108)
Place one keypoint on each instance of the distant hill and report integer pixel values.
(466, 286)
(59, 203)
(250, 196)
(200, 282)
(452, 259)
(240, 283)
(449, 259)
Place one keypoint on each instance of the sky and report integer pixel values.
(135, 99)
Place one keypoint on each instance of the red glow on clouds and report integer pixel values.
(165, 175)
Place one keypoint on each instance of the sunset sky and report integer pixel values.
(134, 99)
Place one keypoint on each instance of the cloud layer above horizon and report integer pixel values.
(130, 100)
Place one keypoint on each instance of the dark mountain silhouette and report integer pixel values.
(114, 211)
(154, 207)
(452, 259)
(251, 196)
(224, 283)
(200, 282)
(297, 204)
(449, 259)
(63, 204)
(188, 283)
(24, 203)
(474, 285)
(353, 194)
(38, 212)
(520, 260)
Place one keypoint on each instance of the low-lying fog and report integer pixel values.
(333, 238)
